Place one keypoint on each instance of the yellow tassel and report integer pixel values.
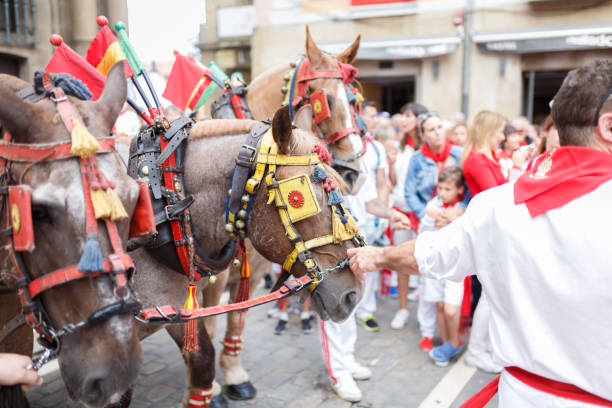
(84, 144)
(100, 204)
(190, 343)
(351, 226)
(117, 211)
(244, 289)
(245, 268)
(337, 226)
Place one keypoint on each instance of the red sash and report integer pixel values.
(543, 384)
(561, 176)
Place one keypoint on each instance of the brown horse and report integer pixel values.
(264, 96)
(98, 362)
(209, 163)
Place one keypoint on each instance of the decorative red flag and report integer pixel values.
(66, 60)
(104, 50)
(188, 85)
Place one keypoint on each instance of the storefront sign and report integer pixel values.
(413, 48)
(564, 39)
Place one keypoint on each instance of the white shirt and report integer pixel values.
(375, 157)
(356, 203)
(548, 280)
(397, 198)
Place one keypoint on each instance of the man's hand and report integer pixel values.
(13, 370)
(399, 220)
(365, 259)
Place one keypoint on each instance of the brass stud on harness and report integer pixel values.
(292, 64)
(242, 214)
(245, 199)
(240, 225)
(236, 263)
(286, 77)
(284, 89)
(284, 104)
(145, 170)
(229, 228)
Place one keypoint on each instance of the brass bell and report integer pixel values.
(145, 170)
(284, 104)
(229, 192)
(242, 214)
(240, 224)
(177, 186)
(229, 227)
(284, 89)
(245, 199)
(212, 279)
(292, 64)
(236, 263)
(286, 77)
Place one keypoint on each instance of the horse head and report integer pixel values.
(101, 359)
(317, 216)
(330, 90)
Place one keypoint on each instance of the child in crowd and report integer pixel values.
(281, 309)
(445, 293)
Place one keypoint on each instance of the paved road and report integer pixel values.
(288, 370)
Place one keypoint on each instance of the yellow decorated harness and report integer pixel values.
(295, 200)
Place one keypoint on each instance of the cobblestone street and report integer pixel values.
(288, 370)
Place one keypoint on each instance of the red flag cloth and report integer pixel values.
(186, 83)
(68, 61)
(561, 176)
(104, 51)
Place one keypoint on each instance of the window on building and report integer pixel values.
(390, 94)
(539, 88)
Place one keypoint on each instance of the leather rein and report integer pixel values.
(18, 220)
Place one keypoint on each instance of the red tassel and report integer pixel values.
(190, 343)
(244, 289)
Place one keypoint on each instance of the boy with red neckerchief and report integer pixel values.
(446, 294)
(549, 290)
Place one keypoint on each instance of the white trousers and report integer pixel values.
(367, 305)
(338, 346)
(514, 393)
(427, 313)
(480, 342)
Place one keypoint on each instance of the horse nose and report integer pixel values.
(94, 388)
(349, 301)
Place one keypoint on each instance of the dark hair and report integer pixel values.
(452, 173)
(416, 108)
(548, 123)
(509, 129)
(576, 104)
(365, 104)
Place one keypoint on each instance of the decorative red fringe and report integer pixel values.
(190, 343)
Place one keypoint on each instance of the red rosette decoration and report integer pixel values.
(296, 199)
(329, 185)
(323, 153)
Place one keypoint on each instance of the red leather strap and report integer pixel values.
(61, 276)
(237, 105)
(157, 314)
(22, 152)
(339, 135)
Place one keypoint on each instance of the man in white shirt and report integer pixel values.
(540, 246)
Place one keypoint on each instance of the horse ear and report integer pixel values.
(282, 129)
(114, 95)
(349, 55)
(303, 118)
(313, 52)
(17, 116)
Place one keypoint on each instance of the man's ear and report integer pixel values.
(604, 127)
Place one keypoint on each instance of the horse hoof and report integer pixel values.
(243, 391)
(218, 401)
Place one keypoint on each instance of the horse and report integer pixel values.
(219, 141)
(82, 313)
(263, 99)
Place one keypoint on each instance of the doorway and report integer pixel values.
(390, 94)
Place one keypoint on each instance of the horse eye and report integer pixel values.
(40, 213)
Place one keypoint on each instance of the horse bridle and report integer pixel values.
(301, 74)
(292, 203)
(17, 211)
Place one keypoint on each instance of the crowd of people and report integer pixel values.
(424, 168)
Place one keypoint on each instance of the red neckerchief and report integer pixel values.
(438, 158)
(561, 176)
(409, 141)
(454, 203)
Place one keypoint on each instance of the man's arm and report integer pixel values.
(379, 209)
(399, 258)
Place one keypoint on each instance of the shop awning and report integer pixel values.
(395, 49)
(562, 38)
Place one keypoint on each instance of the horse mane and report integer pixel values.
(220, 127)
